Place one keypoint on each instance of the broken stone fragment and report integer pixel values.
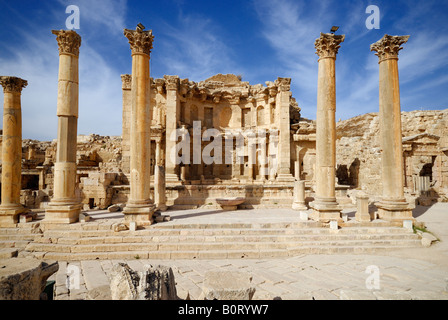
(114, 208)
(156, 283)
(24, 278)
(119, 227)
(224, 285)
(427, 239)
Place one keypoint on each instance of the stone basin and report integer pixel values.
(229, 204)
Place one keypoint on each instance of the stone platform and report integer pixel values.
(204, 234)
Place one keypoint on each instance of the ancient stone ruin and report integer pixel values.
(187, 145)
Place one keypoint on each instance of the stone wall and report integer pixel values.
(358, 148)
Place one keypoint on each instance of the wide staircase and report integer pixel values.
(95, 240)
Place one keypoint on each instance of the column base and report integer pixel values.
(285, 177)
(62, 213)
(9, 216)
(395, 211)
(300, 206)
(363, 217)
(161, 207)
(229, 208)
(142, 215)
(171, 178)
(325, 210)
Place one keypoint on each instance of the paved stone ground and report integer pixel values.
(417, 273)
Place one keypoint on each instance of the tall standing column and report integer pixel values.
(325, 205)
(125, 137)
(140, 207)
(393, 206)
(172, 114)
(65, 207)
(159, 179)
(284, 141)
(10, 207)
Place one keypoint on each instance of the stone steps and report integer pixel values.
(231, 238)
(58, 233)
(83, 241)
(209, 246)
(216, 254)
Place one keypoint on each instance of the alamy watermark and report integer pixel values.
(73, 20)
(237, 146)
(373, 278)
(73, 277)
(373, 20)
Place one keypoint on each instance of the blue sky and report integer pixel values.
(260, 40)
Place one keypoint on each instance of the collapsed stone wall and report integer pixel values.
(358, 155)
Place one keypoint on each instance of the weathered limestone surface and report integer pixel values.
(140, 206)
(224, 285)
(11, 154)
(156, 283)
(393, 205)
(325, 205)
(359, 152)
(65, 207)
(24, 278)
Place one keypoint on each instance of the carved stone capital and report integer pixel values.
(12, 84)
(68, 41)
(328, 44)
(140, 41)
(284, 84)
(388, 46)
(171, 82)
(126, 80)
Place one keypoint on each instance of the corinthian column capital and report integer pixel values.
(140, 41)
(12, 84)
(68, 41)
(328, 44)
(171, 82)
(388, 46)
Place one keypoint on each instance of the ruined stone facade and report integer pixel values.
(224, 101)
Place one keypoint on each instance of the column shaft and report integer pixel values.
(11, 151)
(140, 207)
(65, 207)
(325, 205)
(393, 206)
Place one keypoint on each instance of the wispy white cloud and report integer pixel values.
(193, 48)
(35, 58)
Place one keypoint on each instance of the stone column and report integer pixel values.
(251, 153)
(362, 205)
(65, 207)
(262, 172)
(299, 195)
(10, 206)
(325, 205)
(393, 206)
(172, 114)
(284, 142)
(126, 124)
(159, 180)
(140, 207)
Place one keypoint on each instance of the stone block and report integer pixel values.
(156, 283)
(407, 224)
(226, 285)
(334, 225)
(303, 215)
(24, 278)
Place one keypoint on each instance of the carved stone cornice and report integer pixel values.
(68, 41)
(12, 84)
(388, 47)
(139, 40)
(126, 80)
(328, 44)
(171, 82)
